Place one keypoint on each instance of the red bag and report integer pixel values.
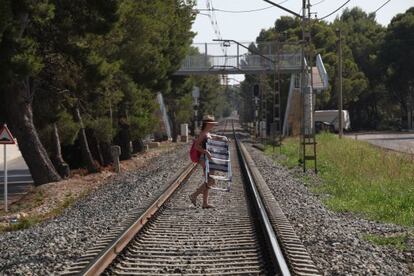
(194, 154)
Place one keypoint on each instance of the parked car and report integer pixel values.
(324, 126)
(329, 118)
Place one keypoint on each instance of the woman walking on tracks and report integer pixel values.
(199, 149)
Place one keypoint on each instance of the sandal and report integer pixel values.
(208, 206)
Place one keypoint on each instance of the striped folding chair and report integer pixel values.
(219, 167)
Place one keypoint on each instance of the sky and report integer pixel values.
(245, 27)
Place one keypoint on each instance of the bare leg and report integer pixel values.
(201, 188)
(205, 193)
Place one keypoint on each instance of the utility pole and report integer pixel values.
(196, 96)
(307, 136)
(256, 109)
(339, 88)
(277, 112)
(302, 145)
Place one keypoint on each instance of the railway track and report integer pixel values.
(186, 240)
(173, 237)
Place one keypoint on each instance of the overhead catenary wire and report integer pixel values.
(242, 11)
(383, 5)
(343, 5)
(214, 23)
(317, 3)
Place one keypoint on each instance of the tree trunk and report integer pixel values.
(174, 130)
(124, 140)
(106, 153)
(19, 114)
(86, 153)
(404, 114)
(138, 145)
(94, 145)
(376, 114)
(61, 166)
(192, 127)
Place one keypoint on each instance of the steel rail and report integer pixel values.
(280, 256)
(105, 258)
(297, 257)
(268, 231)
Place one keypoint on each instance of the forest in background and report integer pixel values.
(378, 72)
(79, 76)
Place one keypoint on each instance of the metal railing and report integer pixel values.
(234, 59)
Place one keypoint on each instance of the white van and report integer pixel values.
(331, 117)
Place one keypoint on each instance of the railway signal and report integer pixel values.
(196, 96)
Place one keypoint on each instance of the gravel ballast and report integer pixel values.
(52, 245)
(334, 240)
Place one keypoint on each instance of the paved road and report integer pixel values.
(19, 183)
(18, 176)
(12, 151)
(401, 141)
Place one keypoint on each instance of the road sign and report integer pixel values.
(5, 136)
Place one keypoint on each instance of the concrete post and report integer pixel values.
(184, 133)
(116, 152)
(263, 129)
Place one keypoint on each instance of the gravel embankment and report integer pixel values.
(334, 240)
(206, 241)
(50, 246)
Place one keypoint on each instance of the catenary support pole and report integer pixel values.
(340, 107)
(302, 90)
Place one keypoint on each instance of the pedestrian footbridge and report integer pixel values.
(251, 58)
(236, 58)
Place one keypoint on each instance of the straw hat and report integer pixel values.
(209, 119)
